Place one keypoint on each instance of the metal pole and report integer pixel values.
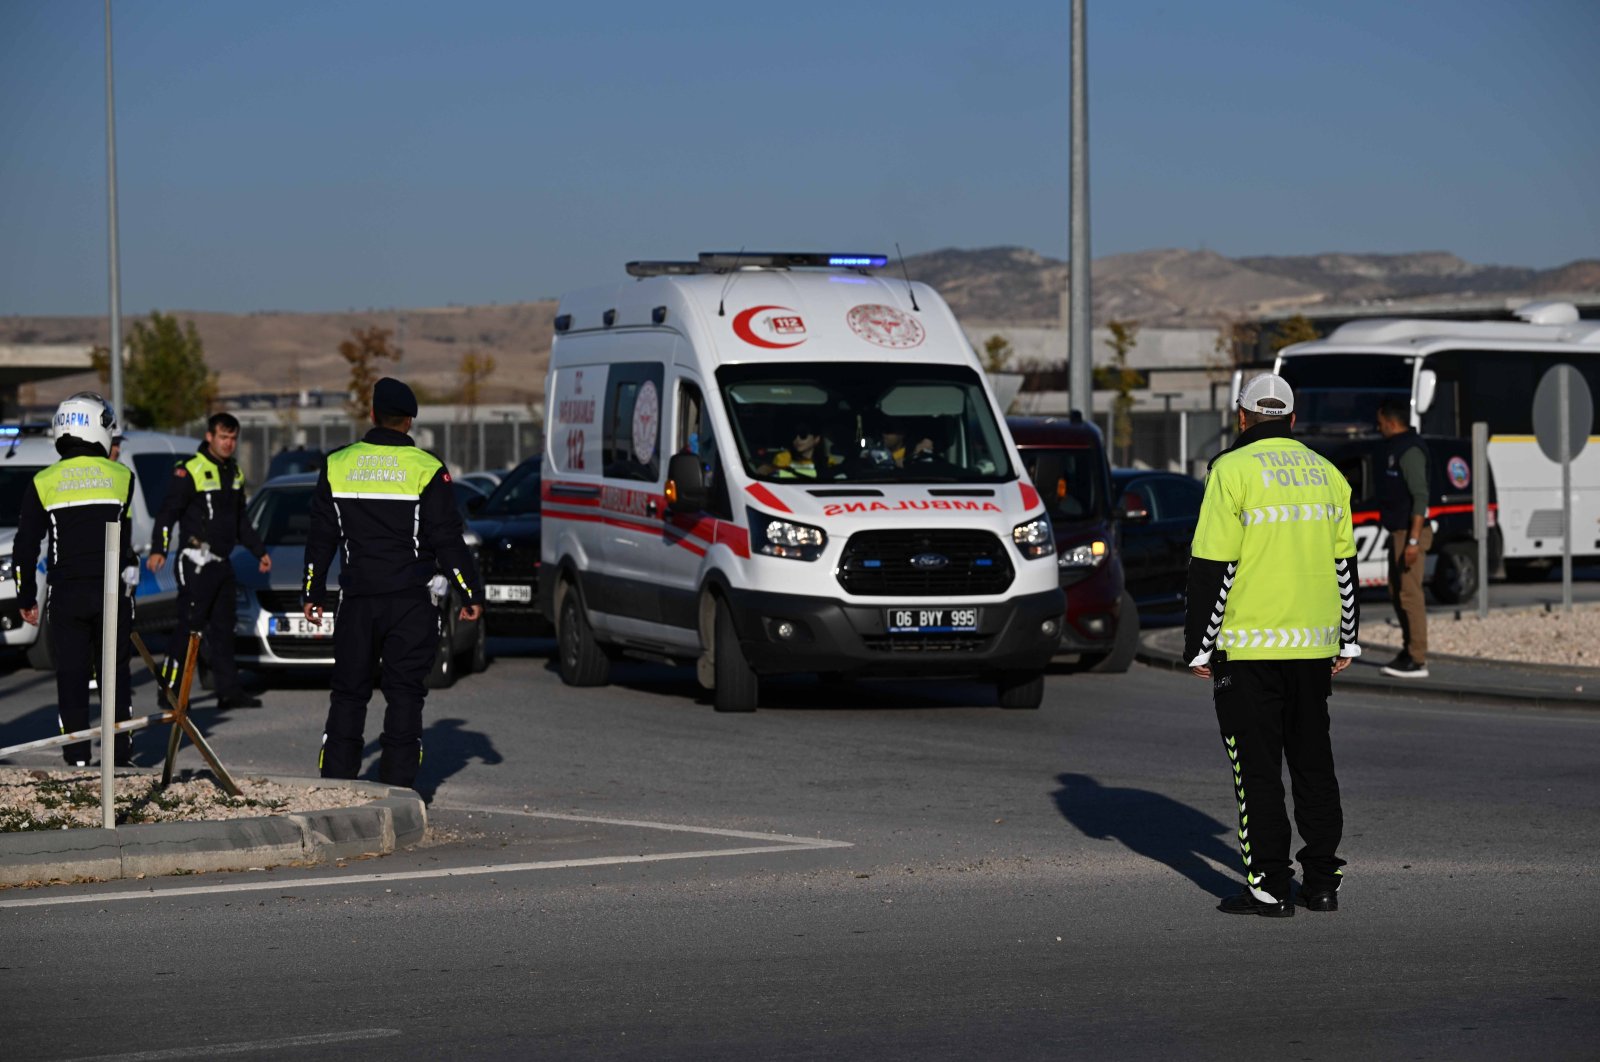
(110, 631)
(1080, 354)
(1564, 424)
(482, 440)
(1480, 509)
(111, 202)
(1183, 442)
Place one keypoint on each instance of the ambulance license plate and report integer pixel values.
(931, 620)
(300, 627)
(508, 592)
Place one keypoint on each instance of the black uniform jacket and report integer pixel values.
(388, 546)
(210, 512)
(77, 534)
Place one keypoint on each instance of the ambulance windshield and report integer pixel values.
(864, 423)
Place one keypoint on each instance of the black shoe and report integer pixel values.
(1404, 667)
(237, 699)
(1324, 900)
(1246, 903)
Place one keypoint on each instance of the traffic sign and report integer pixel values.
(1547, 408)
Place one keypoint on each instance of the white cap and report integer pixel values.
(1267, 385)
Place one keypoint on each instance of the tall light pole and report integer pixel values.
(111, 201)
(1080, 354)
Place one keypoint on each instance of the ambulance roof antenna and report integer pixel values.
(903, 273)
(732, 276)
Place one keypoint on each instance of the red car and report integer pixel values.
(1066, 460)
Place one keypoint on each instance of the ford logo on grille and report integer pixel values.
(929, 561)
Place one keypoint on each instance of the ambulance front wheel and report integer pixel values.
(1020, 689)
(579, 657)
(737, 686)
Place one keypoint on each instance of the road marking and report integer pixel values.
(245, 1046)
(785, 843)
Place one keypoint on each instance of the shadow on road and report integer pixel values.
(1151, 825)
(447, 748)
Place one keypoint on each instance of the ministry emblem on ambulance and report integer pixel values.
(886, 326)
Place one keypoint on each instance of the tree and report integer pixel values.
(1120, 378)
(1234, 345)
(167, 384)
(474, 369)
(1296, 329)
(996, 353)
(365, 348)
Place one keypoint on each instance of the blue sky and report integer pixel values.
(339, 154)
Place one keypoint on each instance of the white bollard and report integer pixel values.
(109, 629)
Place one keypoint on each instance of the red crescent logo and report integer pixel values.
(741, 328)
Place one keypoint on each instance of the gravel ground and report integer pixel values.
(39, 800)
(1526, 635)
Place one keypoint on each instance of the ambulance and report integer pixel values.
(775, 463)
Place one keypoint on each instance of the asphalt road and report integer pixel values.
(952, 880)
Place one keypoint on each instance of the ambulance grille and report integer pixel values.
(880, 564)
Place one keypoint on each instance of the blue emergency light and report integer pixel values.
(859, 261)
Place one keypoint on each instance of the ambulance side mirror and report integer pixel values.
(686, 484)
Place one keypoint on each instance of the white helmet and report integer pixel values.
(86, 416)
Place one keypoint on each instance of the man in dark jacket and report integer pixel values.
(71, 501)
(387, 508)
(1403, 510)
(203, 517)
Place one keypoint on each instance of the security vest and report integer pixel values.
(380, 473)
(80, 495)
(75, 481)
(205, 504)
(1278, 514)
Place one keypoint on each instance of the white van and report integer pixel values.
(24, 451)
(777, 463)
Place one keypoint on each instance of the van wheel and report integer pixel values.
(1455, 575)
(1120, 658)
(737, 685)
(40, 658)
(443, 675)
(1020, 689)
(579, 657)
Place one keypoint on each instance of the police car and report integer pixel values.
(24, 451)
(786, 462)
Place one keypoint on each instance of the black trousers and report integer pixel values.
(394, 639)
(76, 609)
(205, 604)
(1271, 711)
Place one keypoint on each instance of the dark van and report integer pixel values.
(1066, 461)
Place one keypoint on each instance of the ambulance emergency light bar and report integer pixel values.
(723, 261)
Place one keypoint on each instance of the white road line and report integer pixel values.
(786, 843)
(245, 1046)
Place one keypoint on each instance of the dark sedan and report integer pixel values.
(1160, 510)
(508, 524)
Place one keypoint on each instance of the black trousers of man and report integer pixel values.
(76, 608)
(206, 603)
(393, 637)
(1270, 711)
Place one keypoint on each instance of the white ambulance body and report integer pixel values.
(684, 517)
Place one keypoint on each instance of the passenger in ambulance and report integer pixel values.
(888, 451)
(806, 456)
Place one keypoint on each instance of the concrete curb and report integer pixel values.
(398, 818)
(1155, 656)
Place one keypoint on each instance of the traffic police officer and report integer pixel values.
(203, 515)
(391, 508)
(1272, 616)
(72, 501)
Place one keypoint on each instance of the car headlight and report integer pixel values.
(1085, 556)
(785, 538)
(7, 566)
(1035, 539)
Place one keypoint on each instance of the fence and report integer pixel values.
(1177, 441)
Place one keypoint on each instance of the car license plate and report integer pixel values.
(930, 620)
(300, 627)
(509, 592)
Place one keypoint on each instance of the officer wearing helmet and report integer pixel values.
(71, 501)
(387, 509)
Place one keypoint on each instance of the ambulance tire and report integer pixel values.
(1020, 689)
(1120, 658)
(737, 685)
(579, 658)
(1455, 574)
(40, 658)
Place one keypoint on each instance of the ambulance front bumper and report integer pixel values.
(786, 633)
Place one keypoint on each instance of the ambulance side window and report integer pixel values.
(632, 447)
(694, 435)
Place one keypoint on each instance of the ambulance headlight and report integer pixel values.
(1035, 539)
(785, 538)
(1085, 556)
